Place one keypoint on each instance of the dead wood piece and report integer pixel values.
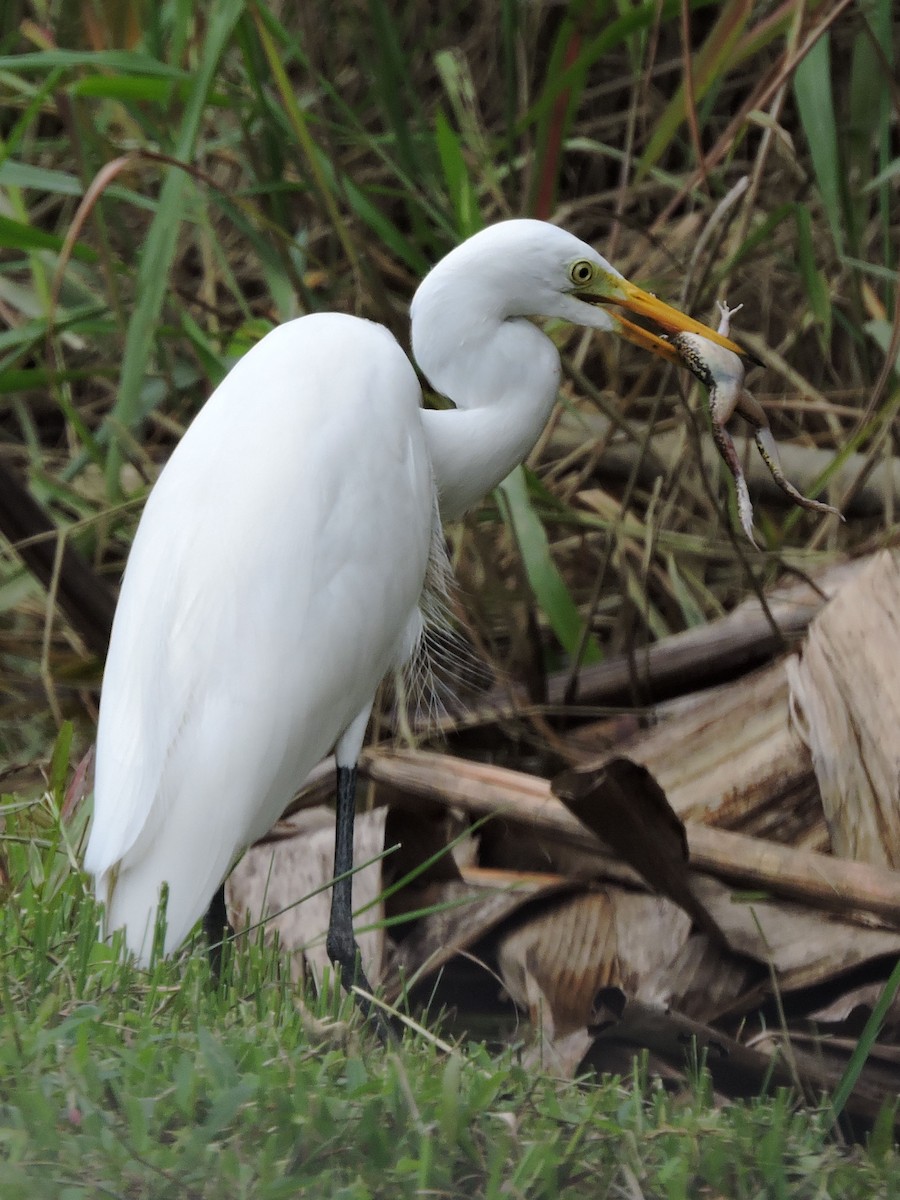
(688, 660)
(461, 914)
(803, 945)
(731, 758)
(736, 1069)
(820, 880)
(845, 689)
(554, 964)
(797, 874)
(626, 808)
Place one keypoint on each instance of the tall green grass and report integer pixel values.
(174, 182)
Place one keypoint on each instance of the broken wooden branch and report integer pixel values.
(805, 875)
(845, 689)
(688, 660)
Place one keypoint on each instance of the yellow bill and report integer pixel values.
(667, 320)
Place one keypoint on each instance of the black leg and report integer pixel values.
(217, 927)
(340, 942)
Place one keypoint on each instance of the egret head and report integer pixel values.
(527, 268)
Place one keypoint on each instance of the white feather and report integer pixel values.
(281, 565)
(225, 684)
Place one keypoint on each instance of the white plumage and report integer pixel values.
(231, 670)
(277, 572)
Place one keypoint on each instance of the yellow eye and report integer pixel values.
(581, 272)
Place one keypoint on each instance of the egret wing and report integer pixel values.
(273, 580)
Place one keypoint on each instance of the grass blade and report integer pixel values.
(162, 238)
(710, 64)
(815, 102)
(547, 584)
(864, 1046)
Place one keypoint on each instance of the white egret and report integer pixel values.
(277, 573)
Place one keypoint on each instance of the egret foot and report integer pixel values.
(344, 954)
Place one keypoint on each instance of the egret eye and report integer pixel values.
(581, 272)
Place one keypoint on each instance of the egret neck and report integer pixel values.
(503, 376)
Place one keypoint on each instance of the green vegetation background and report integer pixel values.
(175, 178)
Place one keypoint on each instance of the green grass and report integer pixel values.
(122, 1085)
(125, 1083)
